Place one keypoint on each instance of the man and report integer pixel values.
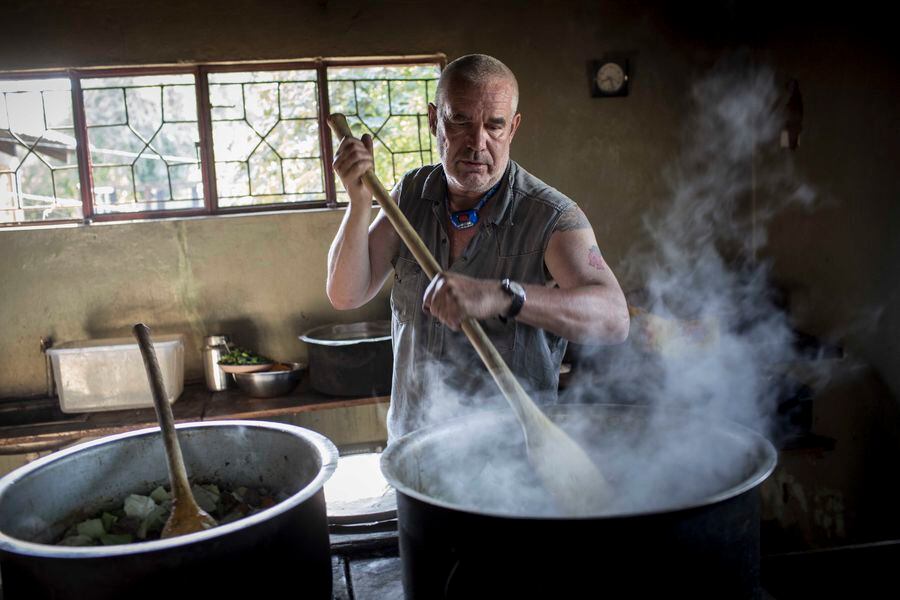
(517, 255)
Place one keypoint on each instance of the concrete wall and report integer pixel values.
(842, 260)
(260, 278)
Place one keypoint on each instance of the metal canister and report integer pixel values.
(215, 347)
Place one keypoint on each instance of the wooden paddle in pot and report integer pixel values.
(563, 466)
(186, 516)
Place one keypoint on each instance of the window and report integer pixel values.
(147, 142)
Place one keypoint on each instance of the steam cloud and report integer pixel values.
(719, 334)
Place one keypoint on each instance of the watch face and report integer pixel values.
(610, 78)
(516, 288)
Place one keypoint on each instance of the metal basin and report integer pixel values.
(283, 546)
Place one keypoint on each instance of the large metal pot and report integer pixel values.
(351, 359)
(282, 547)
(662, 537)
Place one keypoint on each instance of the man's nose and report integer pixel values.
(477, 137)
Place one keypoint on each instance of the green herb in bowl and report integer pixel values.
(241, 360)
(240, 356)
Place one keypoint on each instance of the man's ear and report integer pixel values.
(432, 118)
(515, 125)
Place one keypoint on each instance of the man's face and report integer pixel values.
(474, 127)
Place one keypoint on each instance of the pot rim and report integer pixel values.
(768, 459)
(325, 447)
(312, 336)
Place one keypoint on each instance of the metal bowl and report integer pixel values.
(269, 384)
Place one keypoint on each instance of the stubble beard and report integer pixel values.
(471, 182)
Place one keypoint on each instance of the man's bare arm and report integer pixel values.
(359, 260)
(588, 306)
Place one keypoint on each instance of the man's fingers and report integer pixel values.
(440, 301)
(344, 148)
(346, 163)
(351, 156)
(356, 170)
(352, 160)
(353, 150)
(430, 291)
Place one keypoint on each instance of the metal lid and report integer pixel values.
(345, 334)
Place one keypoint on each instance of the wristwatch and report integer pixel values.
(517, 292)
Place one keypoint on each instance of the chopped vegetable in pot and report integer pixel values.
(241, 356)
(141, 517)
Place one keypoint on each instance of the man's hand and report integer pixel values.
(355, 157)
(452, 297)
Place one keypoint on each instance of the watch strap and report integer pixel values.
(518, 301)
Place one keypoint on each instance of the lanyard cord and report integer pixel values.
(464, 219)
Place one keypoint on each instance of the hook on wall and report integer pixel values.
(793, 116)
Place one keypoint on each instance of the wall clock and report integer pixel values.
(609, 78)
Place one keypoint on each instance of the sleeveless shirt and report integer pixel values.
(437, 373)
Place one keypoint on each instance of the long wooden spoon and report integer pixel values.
(186, 516)
(563, 466)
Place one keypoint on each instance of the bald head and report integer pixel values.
(475, 70)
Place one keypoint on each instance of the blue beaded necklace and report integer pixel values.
(464, 219)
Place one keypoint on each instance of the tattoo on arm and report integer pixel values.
(595, 259)
(573, 218)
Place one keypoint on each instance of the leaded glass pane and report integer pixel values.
(38, 161)
(266, 137)
(390, 103)
(144, 143)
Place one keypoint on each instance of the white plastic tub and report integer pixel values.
(108, 374)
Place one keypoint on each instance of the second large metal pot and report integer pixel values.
(351, 359)
(280, 548)
(474, 521)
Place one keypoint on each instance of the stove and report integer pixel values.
(365, 562)
(366, 566)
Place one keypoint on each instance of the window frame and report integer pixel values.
(201, 72)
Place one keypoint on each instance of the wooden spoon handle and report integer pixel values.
(177, 472)
(524, 408)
